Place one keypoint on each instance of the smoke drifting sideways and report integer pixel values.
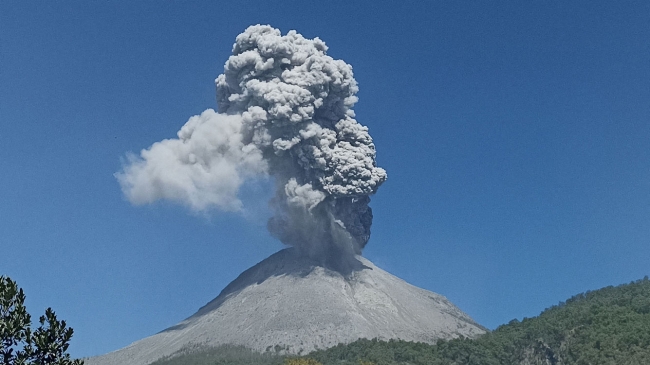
(285, 112)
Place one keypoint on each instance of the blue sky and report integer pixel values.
(515, 137)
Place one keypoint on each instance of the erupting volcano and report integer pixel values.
(285, 113)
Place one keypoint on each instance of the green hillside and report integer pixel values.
(606, 326)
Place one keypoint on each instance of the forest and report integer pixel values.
(606, 326)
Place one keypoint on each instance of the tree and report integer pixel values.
(19, 345)
(301, 361)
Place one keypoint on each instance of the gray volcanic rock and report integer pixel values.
(292, 301)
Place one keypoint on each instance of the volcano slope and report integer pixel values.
(291, 301)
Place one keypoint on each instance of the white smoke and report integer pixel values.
(285, 110)
(203, 168)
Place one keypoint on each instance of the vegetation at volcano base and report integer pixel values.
(606, 326)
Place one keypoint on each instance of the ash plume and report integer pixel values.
(285, 111)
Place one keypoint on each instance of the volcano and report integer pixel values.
(296, 303)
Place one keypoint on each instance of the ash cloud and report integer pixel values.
(285, 111)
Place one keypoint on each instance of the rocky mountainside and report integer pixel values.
(292, 302)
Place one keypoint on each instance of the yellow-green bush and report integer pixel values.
(301, 362)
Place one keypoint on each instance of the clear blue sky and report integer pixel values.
(515, 135)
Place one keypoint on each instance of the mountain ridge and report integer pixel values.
(608, 326)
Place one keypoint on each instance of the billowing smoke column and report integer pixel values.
(285, 111)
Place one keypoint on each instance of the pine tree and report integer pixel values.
(19, 345)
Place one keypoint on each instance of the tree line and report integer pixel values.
(606, 326)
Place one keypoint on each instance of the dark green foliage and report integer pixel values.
(461, 351)
(607, 326)
(47, 345)
(14, 322)
(221, 355)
